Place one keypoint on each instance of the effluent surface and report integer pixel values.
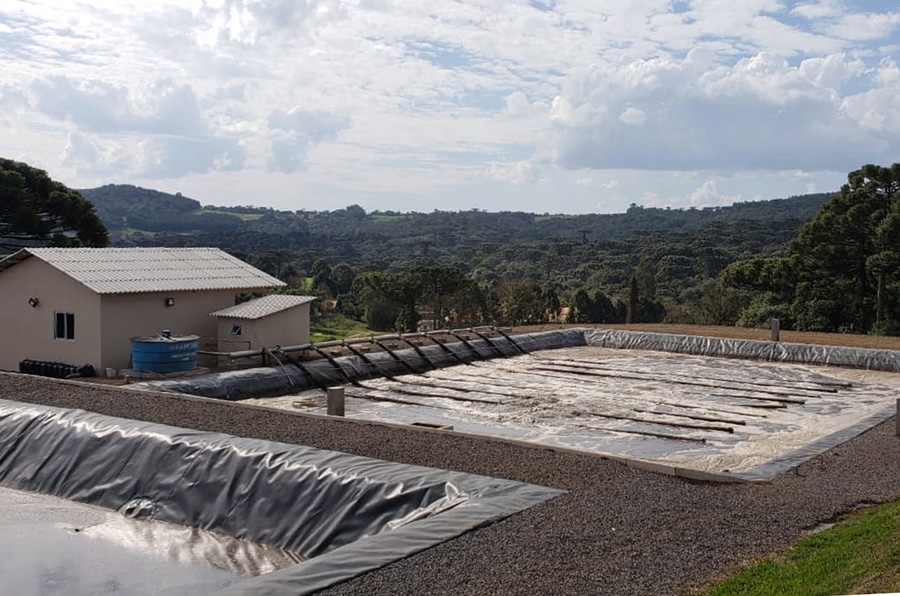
(743, 418)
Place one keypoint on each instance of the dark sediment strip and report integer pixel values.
(618, 531)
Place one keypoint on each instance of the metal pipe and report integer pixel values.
(334, 343)
(367, 360)
(447, 350)
(305, 371)
(468, 344)
(490, 343)
(419, 351)
(511, 340)
(395, 357)
(334, 363)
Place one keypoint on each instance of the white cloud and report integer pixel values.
(93, 159)
(762, 112)
(633, 116)
(877, 111)
(172, 157)
(798, 175)
(888, 73)
(295, 131)
(831, 72)
(395, 98)
(521, 172)
(80, 150)
(516, 105)
(650, 199)
(818, 10)
(312, 124)
(865, 26)
(256, 21)
(164, 107)
(708, 195)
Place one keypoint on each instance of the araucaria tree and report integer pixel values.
(842, 272)
(38, 211)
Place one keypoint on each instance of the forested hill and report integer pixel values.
(673, 250)
(131, 209)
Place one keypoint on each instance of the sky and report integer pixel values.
(549, 106)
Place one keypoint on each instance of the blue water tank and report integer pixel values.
(164, 353)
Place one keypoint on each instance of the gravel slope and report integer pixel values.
(618, 531)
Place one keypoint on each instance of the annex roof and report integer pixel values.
(139, 270)
(262, 307)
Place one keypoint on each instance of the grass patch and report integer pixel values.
(540, 218)
(241, 216)
(860, 555)
(335, 326)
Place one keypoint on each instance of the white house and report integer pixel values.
(82, 305)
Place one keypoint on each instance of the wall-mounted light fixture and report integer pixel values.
(170, 302)
(33, 302)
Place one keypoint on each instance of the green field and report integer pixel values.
(336, 326)
(383, 217)
(538, 218)
(241, 216)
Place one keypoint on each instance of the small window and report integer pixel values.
(236, 330)
(64, 327)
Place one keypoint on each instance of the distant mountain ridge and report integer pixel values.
(673, 251)
(127, 207)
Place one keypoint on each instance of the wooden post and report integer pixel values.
(335, 400)
(776, 330)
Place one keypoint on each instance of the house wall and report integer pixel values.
(29, 332)
(286, 328)
(130, 315)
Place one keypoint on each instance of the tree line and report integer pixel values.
(842, 271)
(673, 253)
(817, 263)
(38, 211)
(444, 296)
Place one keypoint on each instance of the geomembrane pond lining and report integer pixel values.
(287, 378)
(722, 409)
(343, 514)
(705, 417)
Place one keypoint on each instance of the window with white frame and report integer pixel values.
(64, 326)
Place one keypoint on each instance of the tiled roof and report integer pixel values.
(138, 270)
(262, 307)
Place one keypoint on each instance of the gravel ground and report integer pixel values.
(618, 531)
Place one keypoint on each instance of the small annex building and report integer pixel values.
(83, 305)
(273, 320)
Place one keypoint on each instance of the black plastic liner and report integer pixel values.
(750, 349)
(288, 378)
(344, 513)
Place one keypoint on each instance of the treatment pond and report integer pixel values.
(694, 415)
